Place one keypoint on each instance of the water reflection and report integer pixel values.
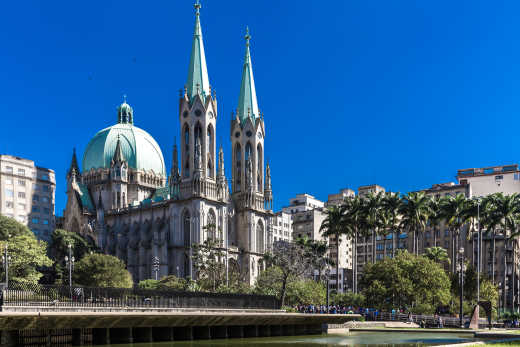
(375, 339)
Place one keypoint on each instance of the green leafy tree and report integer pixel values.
(299, 291)
(291, 260)
(27, 254)
(373, 214)
(172, 282)
(349, 299)
(101, 270)
(437, 254)
(148, 284)
(454, 212)
(406, 281)
(391, 204)
(208, 262)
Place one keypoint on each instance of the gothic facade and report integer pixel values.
(125, 203)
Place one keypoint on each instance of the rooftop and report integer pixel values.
(489, 170)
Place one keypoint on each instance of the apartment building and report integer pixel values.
(303, 202)
(27, 194)
(282, 227)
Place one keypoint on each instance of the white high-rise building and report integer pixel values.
(27, 194)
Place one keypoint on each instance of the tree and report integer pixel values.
(208, 263)
(27, 254)
(435, 216)
(414, 213)
(406, 281)
(148, 284)
(454, 212)
(349, 299)
(316, 254)
(299, 291)
(373, 203)
(290, 259)
(58, 249)
(333, 225)
(391, 204)
(437, 254)
(101, 270)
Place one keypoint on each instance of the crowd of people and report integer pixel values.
(331, 309)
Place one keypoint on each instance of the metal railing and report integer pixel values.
(76, 296)
(429, 320)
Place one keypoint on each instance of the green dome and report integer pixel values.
(139, 149)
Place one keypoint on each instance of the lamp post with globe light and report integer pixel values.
(460, 268)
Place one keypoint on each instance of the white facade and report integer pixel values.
(303, 202)
(27, 194)
(282, 227)
(489, 180)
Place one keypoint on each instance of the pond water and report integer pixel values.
(353, 339)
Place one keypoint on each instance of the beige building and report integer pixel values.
(27, 194)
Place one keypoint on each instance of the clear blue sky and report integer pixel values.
(399, 93)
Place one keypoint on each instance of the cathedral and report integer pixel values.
(123, 201)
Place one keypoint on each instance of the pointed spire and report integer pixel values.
(221, 162)
(175, 167)
(198, 81)
(247, 103)
(118, 153)
(74, 163)
(268, 178)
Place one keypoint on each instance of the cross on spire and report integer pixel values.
(247, 37)
(197, 7)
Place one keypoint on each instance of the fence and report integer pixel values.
(65, 296)
(430, 321)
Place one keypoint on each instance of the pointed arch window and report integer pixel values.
(260, 237)
(209, 149)
(259, 165)
(238, 167)
(211, 226)
(186, 226)
(186, 150)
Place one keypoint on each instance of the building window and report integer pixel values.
(21, 172)
(9, 193)
(9, 169)
(21, 206)
(36, 198)
(35, 209)
(35, 221)
(21, 218)
(21, 183)
(9, 181)
(45, 177)
(9, 204)
(45, 199)
(35, 186)
(47, 211)
(46, 221)
(45, 188)
(21, 195)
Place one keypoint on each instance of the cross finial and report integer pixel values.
(198, 88)
(197, 7)
(247, 37)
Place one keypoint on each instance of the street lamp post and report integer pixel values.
(478, 251)
(155, 266)
(327, 274)
(6, 259)
(461, 274)
(69, 260)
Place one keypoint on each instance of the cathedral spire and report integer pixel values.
(118, 153)
(74, 168)
(268, 191)
(198, 81)
(221, 162)
(175, 167)
(247, 103)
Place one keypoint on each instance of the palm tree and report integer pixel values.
(351, 224)
(391, 204)
(437, 254)
(454, 212)
(316, 252)
(333, 225)
(414, 212)
(508, 209)
(490, 220)
(373, 214)
(435, 216)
